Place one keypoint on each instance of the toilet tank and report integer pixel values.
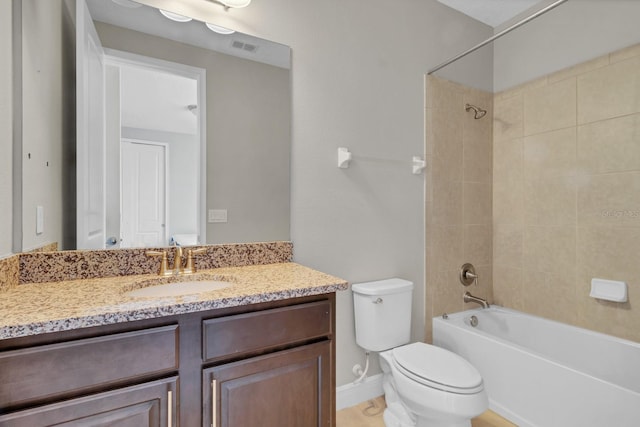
(382, 312)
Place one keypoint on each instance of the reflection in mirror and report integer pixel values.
(559, 190)
(196, 133)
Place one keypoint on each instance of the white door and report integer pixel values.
(144, 194)
(90, 144)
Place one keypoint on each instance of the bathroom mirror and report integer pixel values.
(196, 125)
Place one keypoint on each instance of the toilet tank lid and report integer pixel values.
(382, 287)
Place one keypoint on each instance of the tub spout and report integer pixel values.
(470, 298)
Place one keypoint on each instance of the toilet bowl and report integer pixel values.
(424, 385)
(431, 387)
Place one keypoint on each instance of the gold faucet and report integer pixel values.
(177, 261)
(190, 268)
(164, 263)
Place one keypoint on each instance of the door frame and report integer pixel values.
(166, 182)
(122, 58)
(85, 35)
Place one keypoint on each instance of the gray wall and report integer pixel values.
(357, 81)
(48, 73)
(6, 128)
(526, 54)
(247, 148)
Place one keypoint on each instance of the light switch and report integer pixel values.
(217, 215)
(39, 219)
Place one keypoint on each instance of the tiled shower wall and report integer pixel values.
(566, 193)
(459, 195)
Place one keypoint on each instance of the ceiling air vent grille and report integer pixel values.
(247, 47)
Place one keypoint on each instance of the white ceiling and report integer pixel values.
(143, 106)
(491, 12)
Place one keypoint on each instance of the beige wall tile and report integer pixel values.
(477, 203)
(550, 154)
(626, 53)
(507, 287)
(611, 199)
(523, 88)
(508, 161)
(508, 118)
(508, 202)
(549, 249)
(550, 201)
(444, 94)
(478, 244)
(477, 150)
(428, 131)
(550, 296)
(609, 252)
(507, 245)
(447, 202)
(609, 92)
(478, 138)
(609, 145)
(567, 208)
(447, 293)
(446, 147)
(582, 68)
(447, 248)
(551, 107)
(459, 194)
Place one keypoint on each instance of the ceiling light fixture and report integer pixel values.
(218, 29)
(174, 16)
(233, 3)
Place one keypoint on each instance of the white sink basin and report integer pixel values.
(179, 288)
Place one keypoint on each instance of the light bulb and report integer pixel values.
(218, 29)
(235, 3)
(174, 16)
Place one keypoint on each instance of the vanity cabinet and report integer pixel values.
(286, 388)
(289, 387)
(253, 365)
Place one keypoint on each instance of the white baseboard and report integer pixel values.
(351, 394)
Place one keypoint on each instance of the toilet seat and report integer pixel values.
(437, 368)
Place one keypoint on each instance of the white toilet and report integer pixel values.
(424, 385)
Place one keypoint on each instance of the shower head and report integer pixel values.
(478, 112)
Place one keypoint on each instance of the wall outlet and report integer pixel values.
(39, 219)
(217, 215)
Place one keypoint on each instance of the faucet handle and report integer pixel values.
(468, 274)
(164, 263)
(190, 268)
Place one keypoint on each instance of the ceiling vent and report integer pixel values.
(247, 47)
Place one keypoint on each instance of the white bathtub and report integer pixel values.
(541, 373)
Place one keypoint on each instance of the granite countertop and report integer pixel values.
(39, 308)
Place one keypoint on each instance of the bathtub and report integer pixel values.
(541, 373)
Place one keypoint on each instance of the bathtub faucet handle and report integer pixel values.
(468, 274)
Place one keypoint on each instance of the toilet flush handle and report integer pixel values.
(378, 301)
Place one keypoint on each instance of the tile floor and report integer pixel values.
(369, 414)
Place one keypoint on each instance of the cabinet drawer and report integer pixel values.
(63, 369)
(152, 404)
(233, 336)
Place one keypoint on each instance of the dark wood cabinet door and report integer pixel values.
(290, 388)
(151, 404)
